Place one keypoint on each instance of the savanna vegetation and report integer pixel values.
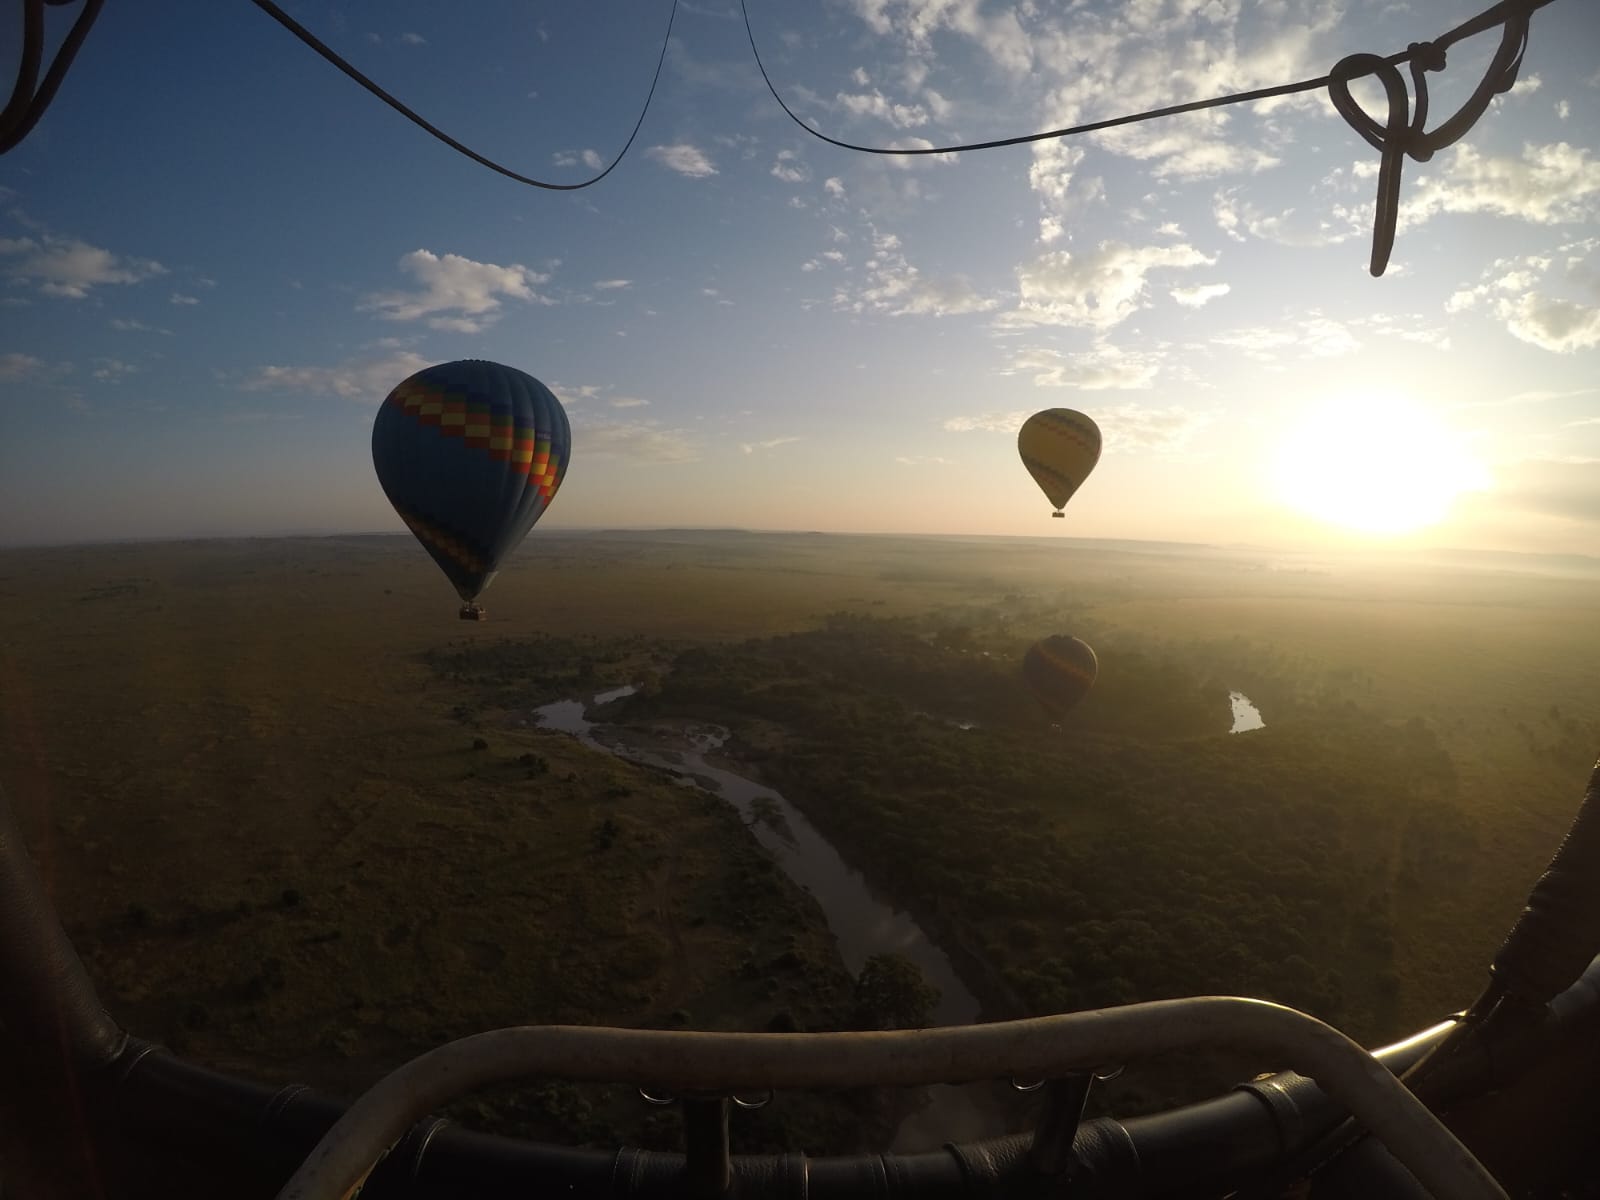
(301, 823)
(1132, 852)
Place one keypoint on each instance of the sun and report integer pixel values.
(1377, 464)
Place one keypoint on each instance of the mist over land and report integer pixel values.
(296, 817)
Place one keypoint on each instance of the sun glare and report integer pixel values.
(1378, 464)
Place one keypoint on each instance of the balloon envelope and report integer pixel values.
(1059, 446)
(470, 454)
(1060, 670)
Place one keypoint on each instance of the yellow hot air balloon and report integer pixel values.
(1059, 446)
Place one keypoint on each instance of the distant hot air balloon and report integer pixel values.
(1060, 670)
(1059, 446)
(470, 454)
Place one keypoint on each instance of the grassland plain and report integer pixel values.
(1501, 669)
(265, 824)
(280, 853)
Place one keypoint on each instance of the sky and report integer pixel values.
(218, 255)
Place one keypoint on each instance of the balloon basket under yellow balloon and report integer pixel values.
(1062, 515)
(471, 612)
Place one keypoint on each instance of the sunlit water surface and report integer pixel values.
(1245, 715)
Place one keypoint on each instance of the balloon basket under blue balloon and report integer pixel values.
(471, 612)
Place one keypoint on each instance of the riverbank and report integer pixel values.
(862, 923)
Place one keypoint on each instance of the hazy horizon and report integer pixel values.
(1387, 553)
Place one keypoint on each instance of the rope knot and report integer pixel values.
(1427, 55)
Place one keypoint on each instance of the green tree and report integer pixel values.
(892, 994)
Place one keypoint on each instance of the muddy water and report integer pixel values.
(1245, 715)
(862, 923)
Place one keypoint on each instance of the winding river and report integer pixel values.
(862, 923)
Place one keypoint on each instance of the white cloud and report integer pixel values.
(571, 158)
(834, 186)
(874, 104)
(1100, 367)
(1051, 177)
(789, 169)
(1126, 428)
(1133, 428)
(456, 293)
(627, 402)
(609, 285)
(112, 370)
(999, 33)
(640, 441)
(1524, 293)
(1547, 185)
(684, 159)
(892, 285)
(1084, 61)
(1096, 289)
(70, 268)
(368, 380)
(1191, 146)
(769, 444)
(181, 299)
(921, 460)
(987, 422)
(1314, 335)
(574, 392)
(1321, 226)
(1552, 323)
(1409, 328)
(906, 162)
(1198, 297)
(413, 39)
(128, 325)
(19, 366)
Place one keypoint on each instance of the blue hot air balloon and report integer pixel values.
(470, 454)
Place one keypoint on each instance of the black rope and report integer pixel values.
(1402, 134)
(310, 39)
(28, 68)
(27, 105)
(1507, 10)
(1406, 134)
(1172, 110)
